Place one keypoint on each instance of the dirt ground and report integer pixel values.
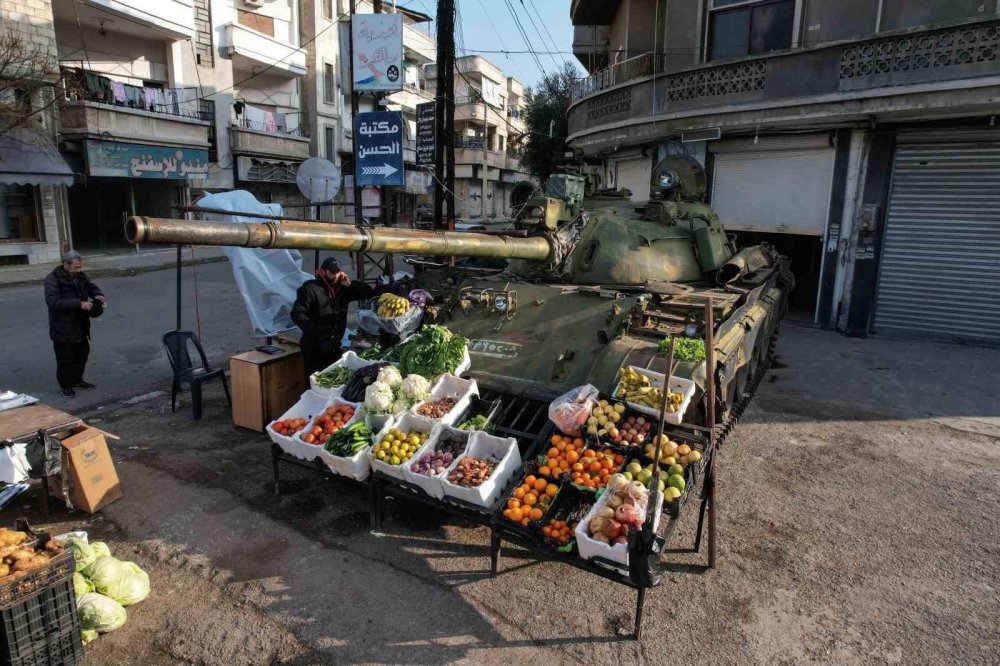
(850, 534)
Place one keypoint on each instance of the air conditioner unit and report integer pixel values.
(254, 4)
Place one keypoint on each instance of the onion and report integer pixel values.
(617, 483)
(614, 501)
(606, 512)
(603, 538)
(595, 525)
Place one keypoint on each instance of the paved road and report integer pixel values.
(127, 357)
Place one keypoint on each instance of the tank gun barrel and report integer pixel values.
(336, 237)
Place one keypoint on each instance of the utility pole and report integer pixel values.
(444, 118)
(354, 158)
(485, 167)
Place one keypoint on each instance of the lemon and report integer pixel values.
(671, 493)
(394, 460)
(676, 481)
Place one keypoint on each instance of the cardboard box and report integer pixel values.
(90, 473)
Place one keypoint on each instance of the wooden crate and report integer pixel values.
(265, 385)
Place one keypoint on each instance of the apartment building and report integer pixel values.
(33, 176)
(489, 134)
(858, 136)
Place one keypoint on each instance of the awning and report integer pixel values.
(24, 160)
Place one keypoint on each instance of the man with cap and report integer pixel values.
(73, 300)
(320, 310)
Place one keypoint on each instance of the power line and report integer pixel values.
(497, 33)
(524, 35)
(527, 13)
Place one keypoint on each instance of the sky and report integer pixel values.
(488, 25)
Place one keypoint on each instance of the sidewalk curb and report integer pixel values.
(123, 272)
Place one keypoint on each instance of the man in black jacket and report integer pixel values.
(320, 310)
(72, 299)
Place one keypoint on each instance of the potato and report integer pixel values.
(31, 563)
(4, 570)
(22, 554)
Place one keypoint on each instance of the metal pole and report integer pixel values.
(449, 109)
(358, 209)
(713, 542)
(316, 267)
(179, 287)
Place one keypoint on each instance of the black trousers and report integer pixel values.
(71, 360)
(319, 351)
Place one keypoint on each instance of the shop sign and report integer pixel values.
(135, 160)
(378, 51)
(378, 148)
(425, 132)
(418, 182)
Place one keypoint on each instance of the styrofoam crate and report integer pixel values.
(488, 493)
(349, 360)
(466, 363)
(431, 483)
(407, 423)
(590, 548)
(447, 386)
(318, 450)
(677, 384)
(310, 404)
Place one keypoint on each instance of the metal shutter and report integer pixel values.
(635, 175)
(773, 191)
(940, 269)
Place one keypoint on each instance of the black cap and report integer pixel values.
(330, 264)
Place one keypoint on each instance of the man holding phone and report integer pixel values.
(72, 300)
(320, 310)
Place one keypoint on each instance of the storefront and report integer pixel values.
(123, 179)
(778, 190)
(33, 178)
(939, 274)
(632, 173)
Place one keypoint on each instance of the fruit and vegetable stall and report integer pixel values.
(591, 479)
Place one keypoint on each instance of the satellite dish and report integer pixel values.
(318, 180)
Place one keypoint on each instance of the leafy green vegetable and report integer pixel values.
(81, 585)
(477, 422)
(333, 377)
(685, 349)
(431, 352)
(122, 581)
(373, 353)
(83, 553)
(100, 613)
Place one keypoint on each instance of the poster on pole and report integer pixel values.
(425, 132)
(377, 51)
(378, 148)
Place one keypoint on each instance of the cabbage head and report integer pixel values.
(88, 635)
(124, 582)
(83, 553)
(100, 548)
(81, 584)
(100, 613)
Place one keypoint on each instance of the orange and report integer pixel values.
(519, 493)
(524, 521)
(552, 462)
(577, 467)
(553, 452)
(589, 453)
(516, 515)
(513, 504)
(578, 442)
(572, 456)
(530, 480)
(607, 464)
(547, 531)
(594, 466)
(551, 490)
(535, 514)
(530, 499)
(561, 446)
(545, 471)
(555, 439)
(540, 484)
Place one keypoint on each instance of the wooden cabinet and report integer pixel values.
(265, 385)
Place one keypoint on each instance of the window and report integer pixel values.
(749, 28)
(328, 9)
(329, 84)
(330, 139)
(258, 22)
(19, 213)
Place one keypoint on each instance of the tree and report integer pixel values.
(26, 72)
(545, 119)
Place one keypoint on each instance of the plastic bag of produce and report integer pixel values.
(100, 613)
(83, 553)
(402, 325)
(124, 582)
(570, 410)
(81, 585)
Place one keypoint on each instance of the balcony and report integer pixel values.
(410, 96)
(250, 49)
(173, 17)
(80, 119)
(472, 112)
(470, 151)
(418, 46)
(893, 76)
(593, 12)
(252, 138)
(590, 46)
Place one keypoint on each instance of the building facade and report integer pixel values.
(489, 132)
(857, 136)
(33, 176)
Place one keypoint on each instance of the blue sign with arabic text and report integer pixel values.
(378, 148)
(136, 160)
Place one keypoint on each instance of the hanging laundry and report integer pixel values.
(149, 95)
(118, 90)
(134, 95)
(269, 123)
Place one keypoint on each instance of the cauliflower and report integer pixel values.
(378, 398)
(400, 405)
(415, 387)
(390, 375)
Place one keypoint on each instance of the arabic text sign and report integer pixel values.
(378, 51)
(136, 160)
(425, 132)
(494, 348)
(378, 148)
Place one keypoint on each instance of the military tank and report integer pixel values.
(588, 282)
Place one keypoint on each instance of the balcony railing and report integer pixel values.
(476, 144)
(266, 127)
(79, 84)
(621, 72)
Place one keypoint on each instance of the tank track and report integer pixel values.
(737, 411)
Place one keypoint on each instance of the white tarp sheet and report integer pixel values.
(267, 279)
